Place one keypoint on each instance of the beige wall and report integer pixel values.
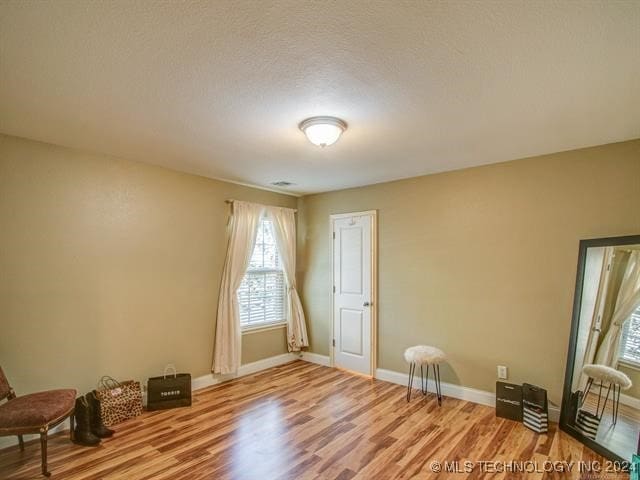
(634, 375)
(110, 267)
(480, 262)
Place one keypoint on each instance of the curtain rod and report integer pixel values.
(231, 200)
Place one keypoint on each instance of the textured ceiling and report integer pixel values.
(217, 88)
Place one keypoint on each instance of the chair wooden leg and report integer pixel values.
(43, 447)
(72, 425)
(21, 442)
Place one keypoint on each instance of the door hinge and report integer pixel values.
(334, 342)
(334, 289)
(334, 235)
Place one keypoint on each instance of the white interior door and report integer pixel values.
(353, 277)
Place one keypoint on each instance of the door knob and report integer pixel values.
(366, 304)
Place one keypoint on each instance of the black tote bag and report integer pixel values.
(169, 391)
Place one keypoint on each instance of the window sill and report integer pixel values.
(629, 364)
(263, 328)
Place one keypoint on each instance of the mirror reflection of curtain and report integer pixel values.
(595, 327)
(627, 300)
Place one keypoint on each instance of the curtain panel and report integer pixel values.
(627, 301)
(595, 328)
(284, 229)
(243, 230)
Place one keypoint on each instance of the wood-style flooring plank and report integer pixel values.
(305, 422)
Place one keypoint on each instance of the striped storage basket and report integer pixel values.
(536, 419)
(587, 423)
(535, 408)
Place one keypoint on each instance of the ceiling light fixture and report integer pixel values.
(323, 131)
(281, 183)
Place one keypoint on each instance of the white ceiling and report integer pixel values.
(217, 88)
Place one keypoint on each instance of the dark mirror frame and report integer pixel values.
(568, 376)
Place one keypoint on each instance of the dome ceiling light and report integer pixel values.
(323, 131)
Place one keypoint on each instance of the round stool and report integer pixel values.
(604, 374)
(424, 355)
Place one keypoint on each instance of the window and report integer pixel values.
(262, 292)
(630, 339)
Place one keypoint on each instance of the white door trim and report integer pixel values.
(374, 284)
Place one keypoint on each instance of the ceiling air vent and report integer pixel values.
(281, 183)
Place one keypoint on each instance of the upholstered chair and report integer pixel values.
(35, 413)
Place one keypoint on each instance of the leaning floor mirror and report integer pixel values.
(601, 400)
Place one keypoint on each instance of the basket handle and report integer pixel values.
(170, 366)
(109, 383)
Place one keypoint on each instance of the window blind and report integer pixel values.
(630, 339)
(261, 295)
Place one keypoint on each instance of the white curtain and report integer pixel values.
(284, 229)
(627, 302)
(595, 325)
(243, 231)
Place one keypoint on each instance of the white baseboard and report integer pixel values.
(196, 384)
(456, 391)
(554, 413)
(630, 401)
(316, 358)
(448, 389)
(213, 379)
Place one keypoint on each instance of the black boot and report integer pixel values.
(82, 434)
(98, 427)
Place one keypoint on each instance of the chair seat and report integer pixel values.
(36, 409)
(608, 374)
(424, 354)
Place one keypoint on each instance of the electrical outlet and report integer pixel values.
(502, 372)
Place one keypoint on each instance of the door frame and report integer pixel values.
(374, 284)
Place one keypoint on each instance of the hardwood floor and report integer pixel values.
(304, 421)
(621, 438)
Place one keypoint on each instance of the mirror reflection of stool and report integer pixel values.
(604, 374)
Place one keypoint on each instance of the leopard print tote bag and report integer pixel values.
(119, 401)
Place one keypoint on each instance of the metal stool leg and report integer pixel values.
(600, 414)
(426, 384)
(586, 391)
(436, 374)
(599, 397)
(616, 403)
(412, 369)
